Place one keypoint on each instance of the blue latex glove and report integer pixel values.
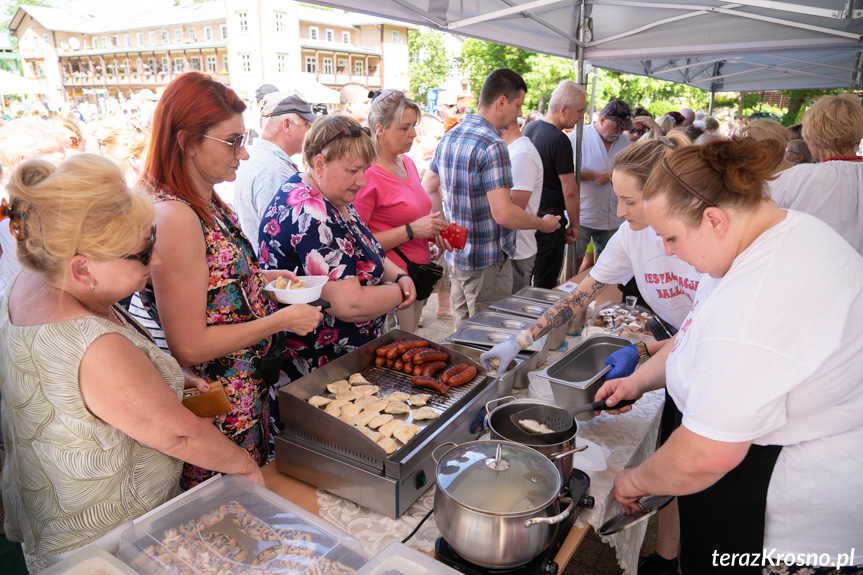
(623, 362)
(505, 351)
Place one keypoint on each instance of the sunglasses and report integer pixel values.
(237, 143)
(147, 253)
(395, 93)
(352, 131)
(640, 131)
(16, 222)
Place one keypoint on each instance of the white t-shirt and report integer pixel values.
(598, 202)
(773, 356)
(526, 176)
(830, 191)
(666, 283)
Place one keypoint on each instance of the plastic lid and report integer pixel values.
(498, 477)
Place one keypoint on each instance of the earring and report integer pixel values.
(191, 153)
(92, 286)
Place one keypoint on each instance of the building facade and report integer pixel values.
(242, 43)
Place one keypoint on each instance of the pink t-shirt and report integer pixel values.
(389, 202)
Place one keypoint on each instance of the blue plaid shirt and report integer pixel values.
(471, 161)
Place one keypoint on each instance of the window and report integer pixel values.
(247, 62)
(95, 43)
(139, 39)
(225, 67)
(192, 34)
(115, 41)
(281, 63)
(195, 63)
(208, 33)
(358, 67)
(280, 22)
(105, 42)
(178, 35)
(313, 32)
(178, 66)
(311, 65)
(343, 66)
(127, 66)
(243, 18)
(164, 69)
(127, 40)
(346, 37)
(151, 38)
(165, 37)
(223, 31)
(45, 39)
(330, 36)
(328, 65)
(396, 38)
(151, 65)
(211, 64)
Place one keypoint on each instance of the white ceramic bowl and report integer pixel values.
(306, 294)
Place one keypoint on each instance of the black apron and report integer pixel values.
(727, 517)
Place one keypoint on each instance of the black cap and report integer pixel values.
(264, 90)
(279, 103)
(618, 111)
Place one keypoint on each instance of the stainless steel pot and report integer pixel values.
(500, 422)
(497, 503)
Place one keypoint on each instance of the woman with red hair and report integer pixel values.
(207, 292)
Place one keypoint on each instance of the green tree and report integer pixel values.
(429, 65)
(542, 77)
(658, 96)
(479, 58)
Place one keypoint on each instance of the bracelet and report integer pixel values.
(410, 231)
(400, 276)
(246, 466)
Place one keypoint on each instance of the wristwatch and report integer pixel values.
(643, 354)
(400, 276)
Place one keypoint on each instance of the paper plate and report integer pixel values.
(591, 459)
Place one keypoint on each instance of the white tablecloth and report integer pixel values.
(630, 438)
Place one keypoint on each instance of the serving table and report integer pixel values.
(630, 438)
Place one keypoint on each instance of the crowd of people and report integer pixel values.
(148, 257)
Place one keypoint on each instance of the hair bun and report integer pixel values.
(743, 163)
(32, 172)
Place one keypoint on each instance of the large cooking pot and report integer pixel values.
(497, 503)
(502, 427)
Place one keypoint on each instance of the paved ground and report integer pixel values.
(593, 557)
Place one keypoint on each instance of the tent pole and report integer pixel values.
(712, 99)
(570, 257)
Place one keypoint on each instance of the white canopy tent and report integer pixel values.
(12, 84)
(712, 45)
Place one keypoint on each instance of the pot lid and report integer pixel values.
(649, 505)
(498, 477)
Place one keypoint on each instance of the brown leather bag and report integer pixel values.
(207, 403)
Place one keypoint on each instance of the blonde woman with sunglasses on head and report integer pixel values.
(95, 432)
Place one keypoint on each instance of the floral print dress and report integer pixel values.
(235, 294)
(301, 228)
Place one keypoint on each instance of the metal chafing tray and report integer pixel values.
(487, 337)
(501, 320)
(514, 378)
(326, 452)
(542, 295)
(531, 309)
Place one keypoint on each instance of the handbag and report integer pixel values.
(207, 403)
(425, 276)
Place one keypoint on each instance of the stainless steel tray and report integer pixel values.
(542, 295)
(486, 337)
(500, 320)
(514, 378)
(523, 307)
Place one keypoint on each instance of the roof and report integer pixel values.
(709, 44)
(344, 19)
(63, 20)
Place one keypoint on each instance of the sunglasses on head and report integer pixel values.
(352, 131)
(146, 254)
(237, 143)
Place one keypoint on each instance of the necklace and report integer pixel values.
(843, 159)
(107, 316)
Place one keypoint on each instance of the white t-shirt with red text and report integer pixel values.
(667, 283)
(773, 356)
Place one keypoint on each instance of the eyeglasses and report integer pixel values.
(352, 131)
(16, 222)
(147, 253)
(639, 131)
(237, 143)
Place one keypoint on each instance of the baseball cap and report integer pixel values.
(447, 97)
(264, 90)
(618, 112)
(279, 103)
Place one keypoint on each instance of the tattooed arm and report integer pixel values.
(568, 307)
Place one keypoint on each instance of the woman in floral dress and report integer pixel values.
(313, 226)
(207, 293)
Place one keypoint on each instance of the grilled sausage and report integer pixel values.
(429, 355)
(391, 362)
(399, 364)
(412, 344)
(418, 369)
(384, 349)
(452, 371)
(379, 361)
(409, 368)
(409, 354)
(430, 382)
(462, 377)
(432, 368)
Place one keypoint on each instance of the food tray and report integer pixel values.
(549, 296)
(533, 309)
(399, 559)
(627, 321)
(89, 561)
(234, 525)
(501, 320)
(515, 377)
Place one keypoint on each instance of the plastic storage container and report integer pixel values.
(399, 559)
(233, 525)
(88, 561)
